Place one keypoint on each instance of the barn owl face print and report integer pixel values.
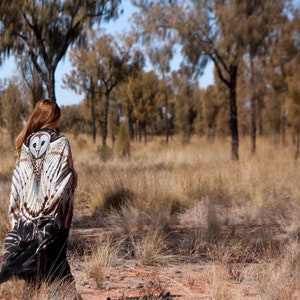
(39, 144)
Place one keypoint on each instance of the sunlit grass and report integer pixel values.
(190, 202)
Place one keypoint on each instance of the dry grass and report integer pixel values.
(4, 200)
(217, 283)
(239, 215)
(57, 290)
(191, 203)
(6, 156)
(102, 257)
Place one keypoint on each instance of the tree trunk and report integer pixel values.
(131, 128)
(297, 146)
(253, 124)
(253, 110)
(166, 118)
(233, 121)
(93, 114)
(140, 131)
(260, 117)
(283, 127)
(104, 121)
(145, 133)
(51, 85)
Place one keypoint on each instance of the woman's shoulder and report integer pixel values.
(51, 135)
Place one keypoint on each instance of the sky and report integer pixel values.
(67, 96)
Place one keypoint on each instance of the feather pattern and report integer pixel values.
(39, 191)
(40, 210)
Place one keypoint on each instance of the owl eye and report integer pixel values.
(43, 142)
(34, 145)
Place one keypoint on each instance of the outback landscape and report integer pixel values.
(183, 120)
(181, 221)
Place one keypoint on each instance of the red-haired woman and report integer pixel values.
(41, 202)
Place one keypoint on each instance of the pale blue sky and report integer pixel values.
(68, 97)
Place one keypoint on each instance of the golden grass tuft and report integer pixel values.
(150, 249)
(58, 290)
(103, 257)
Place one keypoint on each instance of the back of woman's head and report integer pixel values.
(44, 113)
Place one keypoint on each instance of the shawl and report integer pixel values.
(40, 209)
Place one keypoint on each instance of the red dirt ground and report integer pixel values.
(136, 282)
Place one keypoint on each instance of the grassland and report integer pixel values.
(181, 220)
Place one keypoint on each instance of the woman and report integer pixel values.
(41, 202)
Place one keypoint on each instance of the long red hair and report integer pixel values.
(44, 113)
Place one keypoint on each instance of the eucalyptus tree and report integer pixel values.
(282, 51)
(185, 109)
(32, 79)
(203, 34)
(160, 48)
(2, 115)
(206, 30)
(292, 81)
(127, 108)
(160, 56)
(43, 30)
(187, 99)
(100, 66)
(294, 101)
(142, 92)
(259, 20)
(14, 108)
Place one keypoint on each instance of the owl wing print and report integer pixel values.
(39, 144)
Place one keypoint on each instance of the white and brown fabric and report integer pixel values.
(40, 210)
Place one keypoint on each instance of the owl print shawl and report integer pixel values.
(40, 209)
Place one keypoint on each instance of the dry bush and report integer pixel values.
(217, 283)
(8, 290)
(289, 224)
(144, 232)
(4, 200)
(103, 257)
(122, 147)
(151, 250)
(7, 152)
(155, 288)
(58, 290)
(133, 219)
(278, 279)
